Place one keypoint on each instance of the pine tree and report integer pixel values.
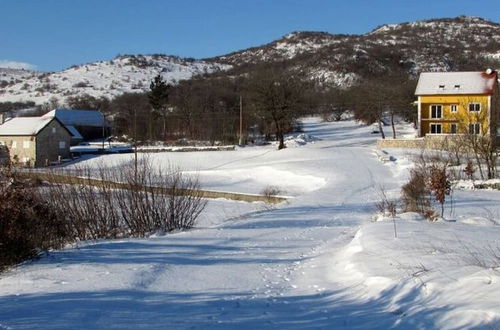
(159, 100)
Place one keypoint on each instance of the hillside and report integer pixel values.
(461, 43)
(128, 73)
(13, 76)
(448, 44)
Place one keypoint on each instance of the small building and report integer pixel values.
(457, 102)
(35, 141)
(84, 124)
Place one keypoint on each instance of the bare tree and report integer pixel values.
(477, 129)
(375, 98)
(278, 97)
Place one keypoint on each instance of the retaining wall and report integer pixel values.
(210, 194)
(437, 142)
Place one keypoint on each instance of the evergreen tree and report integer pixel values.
(159, 100)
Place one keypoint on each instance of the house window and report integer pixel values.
(453, 108)
(26, 144)
(14, 144)
(62, 144)
(474, 107)
(54, 130)
(436, 111)
(453, 128)
(474, 128)
(436, 128)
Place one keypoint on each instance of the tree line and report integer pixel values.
(272, 98)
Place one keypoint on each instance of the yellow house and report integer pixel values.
(457, 102)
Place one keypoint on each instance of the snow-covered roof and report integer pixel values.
(74, 132)
(24, 125)
(439, 83)
(71, 117)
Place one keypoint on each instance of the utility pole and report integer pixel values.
(241, 121)
(103, 123)
(135, 145)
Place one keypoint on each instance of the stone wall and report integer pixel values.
(401, 143)
(437, 142)
(22, 149)
(52, 143)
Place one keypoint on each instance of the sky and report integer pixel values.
(52, 35)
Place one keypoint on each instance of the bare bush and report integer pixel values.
(440, 184)
(486, 256)
(414, 194)
(469, 170)
(384, 205)
(271, 191)
(135, 201)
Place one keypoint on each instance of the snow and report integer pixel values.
(320, 260)
(297, 140)
(124, 74)
(10, 75)
(24, 125)
(74, 132)
(474, 184)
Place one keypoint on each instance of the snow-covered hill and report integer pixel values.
(11, 76)
(128, 73)
(450, 44)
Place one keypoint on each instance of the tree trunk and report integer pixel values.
(280, 135)
(164, 128)
(393, 127)
(282, 142)
(150, 125)
(380, 128)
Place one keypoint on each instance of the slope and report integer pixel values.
(315, 262)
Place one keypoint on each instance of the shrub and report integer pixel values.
(27, 222)
(136, 201)
(440, 184)
(384, 205)
(271, 191)
(414, 194)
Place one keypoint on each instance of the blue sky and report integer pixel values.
(52, 35)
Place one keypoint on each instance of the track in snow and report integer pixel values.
(260, 271)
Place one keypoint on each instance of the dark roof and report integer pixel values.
(92, 118)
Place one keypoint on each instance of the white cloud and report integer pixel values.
(16, 65)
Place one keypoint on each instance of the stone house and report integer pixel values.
(35, 141)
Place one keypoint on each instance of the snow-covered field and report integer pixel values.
(321, 260)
